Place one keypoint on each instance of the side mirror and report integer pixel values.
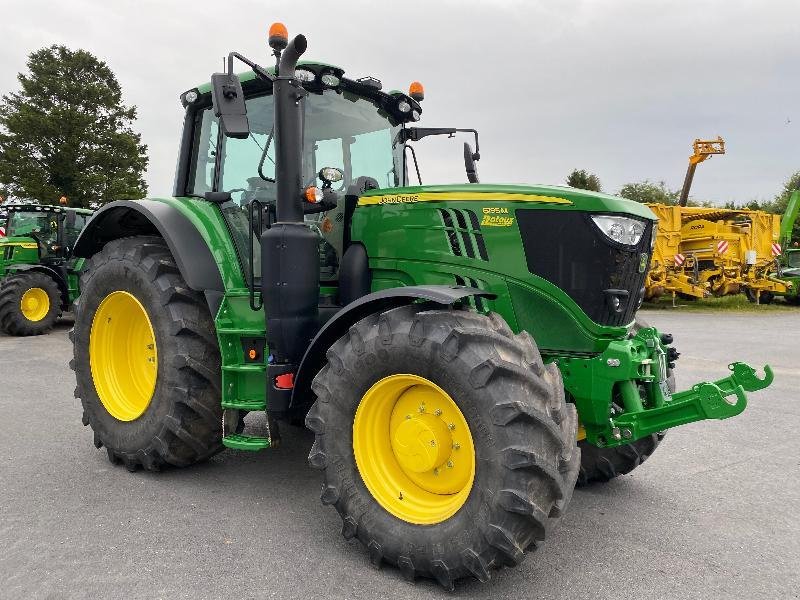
(229, 106)
(469, 164)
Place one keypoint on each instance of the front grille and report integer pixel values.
(463, 233)
(567, 249)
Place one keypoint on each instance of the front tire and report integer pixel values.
(30, 303)
(520, 441)
(146, 360)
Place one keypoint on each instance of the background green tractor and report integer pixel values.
(789, 259)
(38, 275)
(453, 348)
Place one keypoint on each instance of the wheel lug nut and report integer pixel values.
(456, 446)
(449, 464)
(438, 412)
(451, 426)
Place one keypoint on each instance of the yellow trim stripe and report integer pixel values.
(28, 245)
(459, 197)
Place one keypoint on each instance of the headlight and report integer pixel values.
(622, 230)
(403, 106)
(304, 75)
(190, 96)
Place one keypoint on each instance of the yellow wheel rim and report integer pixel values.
(123, 356)
(414, 449)
(35, 304)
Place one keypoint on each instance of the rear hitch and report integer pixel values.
(721, 399)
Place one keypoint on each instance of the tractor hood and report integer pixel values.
(25, 242)
(558, 196)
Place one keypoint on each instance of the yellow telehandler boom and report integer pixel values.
(703, 149)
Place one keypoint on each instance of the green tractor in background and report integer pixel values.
(38, 275)
(789, 259)
(463, 353)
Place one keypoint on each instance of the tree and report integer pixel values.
(648, 192)
(583, 180)
(67, 133)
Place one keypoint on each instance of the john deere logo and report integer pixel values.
(643, 257)
(400, 199)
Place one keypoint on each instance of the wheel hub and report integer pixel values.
(123, 356)
(35, 304)
(414, 449)
(421, 443)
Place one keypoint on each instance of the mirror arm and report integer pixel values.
(257, 69)
(415, 134)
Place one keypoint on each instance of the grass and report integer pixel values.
(735, 303)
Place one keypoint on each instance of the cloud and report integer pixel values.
(618, 87)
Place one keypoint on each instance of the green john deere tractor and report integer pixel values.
(463, 353)
(789, 259)
(38, 275)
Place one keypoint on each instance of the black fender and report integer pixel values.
(126, 218)
(58, 276)
(337, 326)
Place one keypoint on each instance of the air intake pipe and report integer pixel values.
(288, 95)
(289, 249)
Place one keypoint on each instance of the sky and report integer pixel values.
(618, 87)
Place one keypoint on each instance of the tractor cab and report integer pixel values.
(355, 138)
(47, 233)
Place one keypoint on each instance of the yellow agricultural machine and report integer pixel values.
(701, 252)
(712, 251)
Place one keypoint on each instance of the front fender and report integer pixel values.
(337, 326)
(126, 218)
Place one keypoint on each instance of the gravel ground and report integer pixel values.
(711, 515)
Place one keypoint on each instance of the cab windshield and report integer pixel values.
(42, 225)
(339, 130)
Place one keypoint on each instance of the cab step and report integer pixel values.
(250, 405)
(252, 443)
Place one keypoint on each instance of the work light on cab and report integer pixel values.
(330, 175)
(330, 80)
(305, 75)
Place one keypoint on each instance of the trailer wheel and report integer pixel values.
(30, 303)
(146, 359)
(446, 444)
(599, 465)
(766, 297)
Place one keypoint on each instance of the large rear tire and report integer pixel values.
(146, 359)
(457, 388)
(30, 303)
(600, 465)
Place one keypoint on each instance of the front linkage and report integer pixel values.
(622, 395)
